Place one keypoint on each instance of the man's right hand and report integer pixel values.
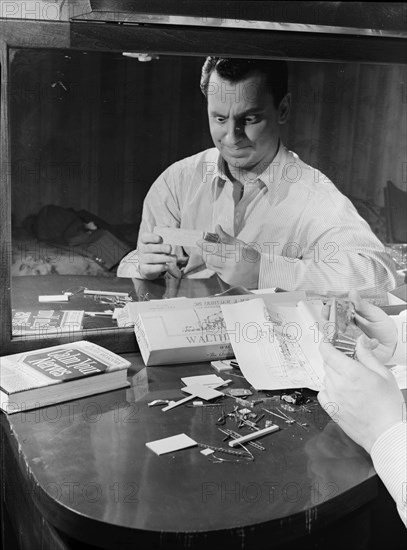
(155, 257)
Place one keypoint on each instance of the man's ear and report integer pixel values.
(284, 109)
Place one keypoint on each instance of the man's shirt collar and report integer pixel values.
(270, 177)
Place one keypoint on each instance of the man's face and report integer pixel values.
(243, 121)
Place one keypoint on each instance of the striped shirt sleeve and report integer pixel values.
(352, 270)
(389, 455)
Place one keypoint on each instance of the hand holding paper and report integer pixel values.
(368, 400)
(155, 257)
(236, 262)
(375, 323)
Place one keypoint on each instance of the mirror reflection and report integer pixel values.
(90, 133)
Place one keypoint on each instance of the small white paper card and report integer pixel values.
(207, 452)
(203, 380)
(171, 444)
(179, 237)
(203, 392)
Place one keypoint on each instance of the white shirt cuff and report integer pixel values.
(389, 455)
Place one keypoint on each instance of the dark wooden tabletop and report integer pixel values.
(86, 466)
(90, 476)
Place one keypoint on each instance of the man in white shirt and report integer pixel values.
(281, 223)
(369, 406)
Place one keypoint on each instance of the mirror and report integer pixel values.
(90, 132)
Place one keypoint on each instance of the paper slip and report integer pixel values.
(179, 237)
(276, 347)
(207, 452)
(203, 380)
(203, 392)
(171, 444)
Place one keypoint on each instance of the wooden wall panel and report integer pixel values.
(93, 130)
(350, 120)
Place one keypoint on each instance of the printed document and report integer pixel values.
(276, 346)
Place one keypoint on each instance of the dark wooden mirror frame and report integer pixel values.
(319, 43)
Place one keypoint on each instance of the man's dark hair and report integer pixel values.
(234, 70)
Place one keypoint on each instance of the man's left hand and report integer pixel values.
(236, 262)
(364, 393)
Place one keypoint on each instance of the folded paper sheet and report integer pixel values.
(276, 346)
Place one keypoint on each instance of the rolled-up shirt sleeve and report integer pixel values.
(336, 251)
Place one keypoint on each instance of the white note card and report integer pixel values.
(203, 392)
(179, 237)
(171, 444)
(203, 379)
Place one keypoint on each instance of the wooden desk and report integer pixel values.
(79, 473)
(82, 469)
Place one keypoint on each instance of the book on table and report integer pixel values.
(55, 374)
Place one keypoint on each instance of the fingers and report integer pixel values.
(151, 271)
(356, 299)
(335, 359)
(152, 265)
(150, 238)
(369, 343)
(323, 398)
(365, 311)
(153, 251)
(224, 237)
(337, 364)
(174, 270)
(365, 355)
(155, 256)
